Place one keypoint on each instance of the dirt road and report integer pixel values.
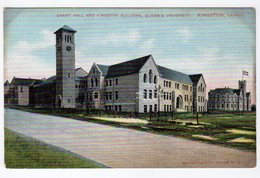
(124, 148)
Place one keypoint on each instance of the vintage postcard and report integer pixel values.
(130, 87)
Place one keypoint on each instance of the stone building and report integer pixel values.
(45, 91)
(199, 93)
(229, 99)
(20, 91)
(138, 85)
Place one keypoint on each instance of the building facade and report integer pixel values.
(199, 93)
(138, 85)
(229, 99)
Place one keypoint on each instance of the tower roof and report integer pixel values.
(66, 28)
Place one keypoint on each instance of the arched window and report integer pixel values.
(92, 83)
(96, 81)
(155, 79)
(150, 76)
(179, 102)
(145, 78)
(96, 95)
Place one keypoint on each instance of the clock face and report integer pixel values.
(68, 48)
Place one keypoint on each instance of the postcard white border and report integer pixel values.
(125, 173)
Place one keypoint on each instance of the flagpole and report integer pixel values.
(242, 74)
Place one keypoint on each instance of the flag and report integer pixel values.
(245, 73)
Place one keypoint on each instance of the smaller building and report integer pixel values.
(229, 99)
(19, 92)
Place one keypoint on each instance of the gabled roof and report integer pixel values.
(195, 78)
(126, 68)
(103, 69)
(50, 80)
(66, 28)
(24, 81)
(80, 72)
(6, 82)
(174, 75)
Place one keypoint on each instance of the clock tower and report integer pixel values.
(65, 68)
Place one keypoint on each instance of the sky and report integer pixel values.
(219, 43)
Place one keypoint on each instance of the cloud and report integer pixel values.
(117, 38)
(185, 34)
(146, 47)
(20, 60)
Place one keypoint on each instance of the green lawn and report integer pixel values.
(25, 152)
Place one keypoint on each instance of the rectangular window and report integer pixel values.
(150, 94)
(170, 84)
(68, 75)
(151, 108)
(145, 108)
(110, 95)
(164, 95)
(68, 100)
(120, 108)
(116, 81)
(110, 82)
(106, 94)
(145, 94)
(155, 93)
(164, 108)
(115, 107)
(21, 89)
(155, 108)
(116, 95)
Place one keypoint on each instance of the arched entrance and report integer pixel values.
(59, 102)
(179, 102)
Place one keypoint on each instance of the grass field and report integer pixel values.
(237, 130)
(25, 152)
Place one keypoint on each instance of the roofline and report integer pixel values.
(130, 60)
(202, 78)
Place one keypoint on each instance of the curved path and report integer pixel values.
(124, 148)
